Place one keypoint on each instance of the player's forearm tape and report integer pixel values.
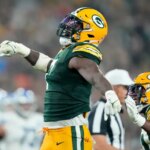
(42, 62)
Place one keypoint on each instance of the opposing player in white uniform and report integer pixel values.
(3, 95)
(22, 126)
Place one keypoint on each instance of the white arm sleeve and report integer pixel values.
(42, 62)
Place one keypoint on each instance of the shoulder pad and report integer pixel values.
(88, 49)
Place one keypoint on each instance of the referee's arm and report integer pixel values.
(101, 143)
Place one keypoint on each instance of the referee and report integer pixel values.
(109, 135)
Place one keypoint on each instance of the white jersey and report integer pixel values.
(21, 133)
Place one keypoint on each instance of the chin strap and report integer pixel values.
(95, 42)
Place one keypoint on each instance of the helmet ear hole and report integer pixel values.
(90, 36)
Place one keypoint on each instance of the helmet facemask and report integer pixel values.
(137, 92)
(69, 26)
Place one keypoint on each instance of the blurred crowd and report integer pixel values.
(34, 23)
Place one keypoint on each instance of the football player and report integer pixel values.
(138, 102)
(22, 125)
(69, 77)
(3, 95)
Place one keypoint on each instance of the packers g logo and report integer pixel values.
(98, 21)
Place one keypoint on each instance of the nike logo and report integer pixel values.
(58, 143)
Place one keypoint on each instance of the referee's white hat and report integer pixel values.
(119, 77)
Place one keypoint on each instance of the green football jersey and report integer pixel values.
(145, 137)
(67, 93)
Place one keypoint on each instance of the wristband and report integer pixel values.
(42, 62)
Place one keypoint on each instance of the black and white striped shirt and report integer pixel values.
(112, 128)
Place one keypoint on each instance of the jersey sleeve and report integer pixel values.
(88, 51)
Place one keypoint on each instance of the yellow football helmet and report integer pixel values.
(84, 25)
(141, 88)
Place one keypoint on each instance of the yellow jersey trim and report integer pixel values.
(88, 49)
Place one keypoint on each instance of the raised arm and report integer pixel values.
(90, 71)
(38, 60)
(135, 116)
